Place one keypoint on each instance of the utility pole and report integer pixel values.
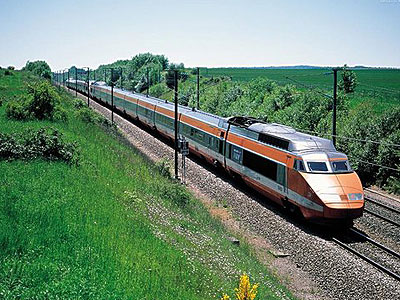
(88, 86)
(120, 78)
(176, 122)
(112, 95)
(198, 88)
(76, 82)
(148, 83)
(94, 74)
(335, 70)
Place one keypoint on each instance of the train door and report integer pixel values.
(281, 177)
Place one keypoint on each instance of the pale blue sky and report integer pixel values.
(201, 33)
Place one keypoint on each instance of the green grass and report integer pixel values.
(111, 227)
(380, 87)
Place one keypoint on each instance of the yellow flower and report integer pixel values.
(225, 297)
(245, 290)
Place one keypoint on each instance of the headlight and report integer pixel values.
(355, 196)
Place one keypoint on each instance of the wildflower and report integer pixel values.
(225, 297)
(245, 290)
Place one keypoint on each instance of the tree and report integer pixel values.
(39, 68)
(349, 80)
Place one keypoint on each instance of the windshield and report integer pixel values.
(340, 166)
(317, 166)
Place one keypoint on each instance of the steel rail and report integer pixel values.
(382, 205)
(381, 194)
(382, 217)
(379, 245)
(367, 259)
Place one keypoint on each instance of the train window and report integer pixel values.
(317, 166)
(340, 166)
(299, 165)
(261, 165)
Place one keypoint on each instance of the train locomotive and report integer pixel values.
(301, 172)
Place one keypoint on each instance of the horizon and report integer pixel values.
(213, 34)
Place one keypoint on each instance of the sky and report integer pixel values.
(215, 33)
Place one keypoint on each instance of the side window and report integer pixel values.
(299, 165)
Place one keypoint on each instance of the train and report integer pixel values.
(299, 171)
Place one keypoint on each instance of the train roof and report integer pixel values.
(274, 134)
(298, 141)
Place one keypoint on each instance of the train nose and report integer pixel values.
(341, 194)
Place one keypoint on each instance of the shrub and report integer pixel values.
(17, 110)
(47, 143)
(43, 100)
(164, 167)
(11, 68)
(88, 116)
(7, 73)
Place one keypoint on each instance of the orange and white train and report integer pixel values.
(297, 170)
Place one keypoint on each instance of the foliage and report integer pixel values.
(46, 143)
(349, 80)
(17, 110)
(44, 99)
(41, 103)
(39, 68)
(11, 68)
(245, 291)
(164, 167)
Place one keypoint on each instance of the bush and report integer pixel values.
(164, 167)
(43, 100)
(11, 68)
(7, 73)
(40, 103)
(46, 143)
(17, 110)
(88, 116)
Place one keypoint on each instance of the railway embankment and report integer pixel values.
(106, 223)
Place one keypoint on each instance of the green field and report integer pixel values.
(110, 227)
(369, 79)
(381, 87)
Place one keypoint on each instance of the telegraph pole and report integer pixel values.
(176, 122)
(76, 82)
(335, 70)
(148, 83)
(198, 88)
(88, 87)
(120, 78)
(112, 95)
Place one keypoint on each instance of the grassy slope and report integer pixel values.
(84, 232)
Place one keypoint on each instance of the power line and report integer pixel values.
(350, 138)
(374, 164)
(311, 87)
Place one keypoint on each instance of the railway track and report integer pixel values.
(391, 255)
(383, 208)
